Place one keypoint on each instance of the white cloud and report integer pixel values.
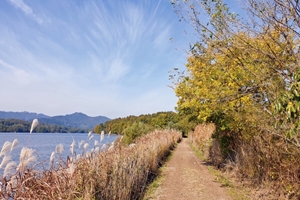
(16, 75)
(98, 57)
(26, 9)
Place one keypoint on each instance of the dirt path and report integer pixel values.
(185, 177)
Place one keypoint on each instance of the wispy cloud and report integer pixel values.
(94, 56)
(26, 9)
(19, 76)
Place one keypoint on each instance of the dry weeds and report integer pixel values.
(117, 173)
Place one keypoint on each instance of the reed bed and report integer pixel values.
(201, 138)
(265, 162)
(119, 172)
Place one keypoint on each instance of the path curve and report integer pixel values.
(187, 178)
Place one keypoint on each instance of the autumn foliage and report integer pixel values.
(243, 75)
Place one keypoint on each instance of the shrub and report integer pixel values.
(135, 130)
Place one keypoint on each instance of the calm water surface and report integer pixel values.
(44, 143)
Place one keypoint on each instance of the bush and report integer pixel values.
(135, 130)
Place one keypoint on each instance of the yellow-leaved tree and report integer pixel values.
(244, 75)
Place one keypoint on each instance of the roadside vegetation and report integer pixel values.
(115, 172)
(243, 76)
(132, 127)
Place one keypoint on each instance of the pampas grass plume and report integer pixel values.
(72, 147)
(5, 160)
(92, 136)
(34, 124)
(26, 158)
(102, 136)
(104, 147)
(5, 148)
(90, 133)
(71, 168)
(85, 146)
(10, 168)
(59, 148)
(52, 157)
(81, 143)
(14, 144)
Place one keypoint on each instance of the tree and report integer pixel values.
(243, 75)
(239, 67)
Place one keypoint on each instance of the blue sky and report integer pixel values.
(106, 58)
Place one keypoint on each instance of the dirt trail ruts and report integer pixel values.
(186, 177)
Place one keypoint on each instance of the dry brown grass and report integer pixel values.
(201, 138)
(119, 173)
(265, 162)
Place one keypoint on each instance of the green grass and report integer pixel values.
(156, 183)
(199, 154)
(152, 187)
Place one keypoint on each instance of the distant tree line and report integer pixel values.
(133, 126)
(16, 125)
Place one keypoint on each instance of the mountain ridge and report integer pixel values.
(75, 120)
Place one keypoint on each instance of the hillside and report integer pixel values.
(78, 120)
(27, 116)
(75, 120)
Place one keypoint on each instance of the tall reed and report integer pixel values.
(120, 173)
(264, 161)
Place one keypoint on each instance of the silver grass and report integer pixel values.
(96, 143)
(102, 136)
(109, 133)
(52, 157)
(81, 143)
(72, 147)
(78, 157)
(5, 148)
(85, 146)
(110, 148)
(12, 184)
(34, 124)
(104, 147)
(88, 155)
(5, 160)
(59, 148)
(14, 144)
(97, 149)
(26, 158)
(92, 136)
(71, 169)
(90, 133)
(10, 168)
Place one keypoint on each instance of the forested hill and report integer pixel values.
(132, 127)
(75, 120)
(17, 125)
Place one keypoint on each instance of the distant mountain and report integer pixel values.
(75, 120)
(26, 116)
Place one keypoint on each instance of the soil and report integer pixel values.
(186, 177)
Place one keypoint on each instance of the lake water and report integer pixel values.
(44, 143)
